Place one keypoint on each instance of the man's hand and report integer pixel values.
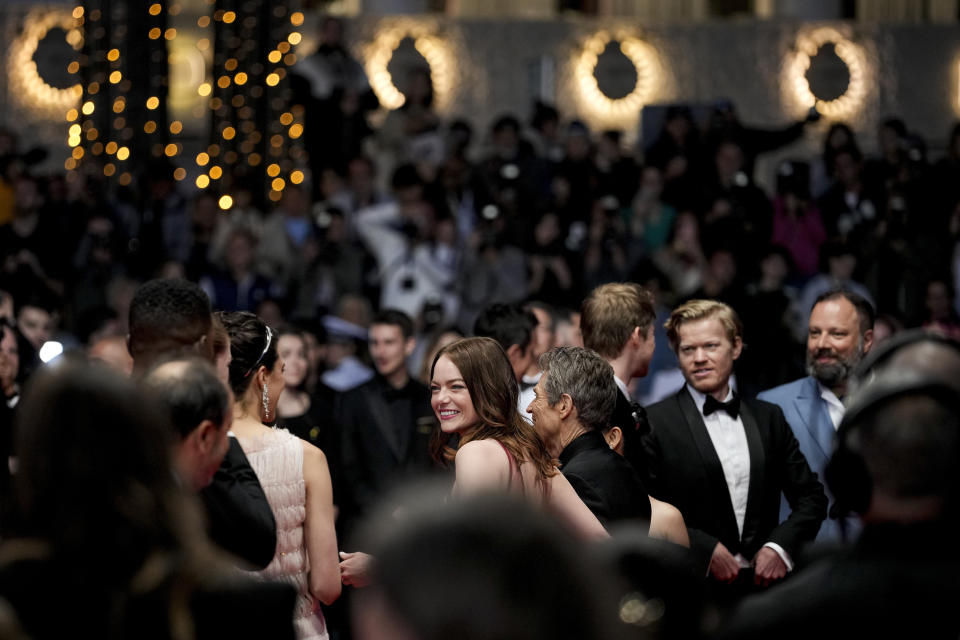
(355, 568)
(723, 566)
(768, 567)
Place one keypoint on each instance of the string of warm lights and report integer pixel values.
(256, 137)
(26, 83)
(621, 112)
(796, 86)
(435, 49)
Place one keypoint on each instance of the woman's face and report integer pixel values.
(450, 398)
(293, 352)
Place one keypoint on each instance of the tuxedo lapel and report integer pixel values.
(708, 455)
(758, 459)
(813, 411)
(381, 417)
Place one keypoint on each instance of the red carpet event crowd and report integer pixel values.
(519, 382)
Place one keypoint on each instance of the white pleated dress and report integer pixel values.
(277, 459)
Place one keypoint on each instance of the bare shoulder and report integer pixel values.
(485, 450)
(481, 464)
(313, 456)
(666, 523)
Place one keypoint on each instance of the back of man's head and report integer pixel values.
(903, 431)
(610, 314)
(508, 324)
(190, 391)
(586, 378)
(168, 316)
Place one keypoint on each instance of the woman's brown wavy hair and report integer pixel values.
(489, 378)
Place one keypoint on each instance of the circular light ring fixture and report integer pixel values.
(645, 61)
(31, 89)
(436, 50)
(798, 64)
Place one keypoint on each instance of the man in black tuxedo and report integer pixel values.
(724, 461)
(386, 423)
(572, 403)
(170, 317)
(616, 320)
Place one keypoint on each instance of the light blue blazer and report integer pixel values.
(809, 418)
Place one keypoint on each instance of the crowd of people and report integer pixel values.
(171, 491)
(645, 397)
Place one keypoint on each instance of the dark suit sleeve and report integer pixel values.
(241, 521)
(590, 497)
(702, 543)
(360, 494)
(802, 489)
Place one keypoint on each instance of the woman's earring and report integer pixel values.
(266, 403)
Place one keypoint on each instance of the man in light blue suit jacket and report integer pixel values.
(840, 333)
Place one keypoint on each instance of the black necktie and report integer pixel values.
(712, 404)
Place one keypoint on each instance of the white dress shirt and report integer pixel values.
(623, 387)
(729, 440)
(834, 406)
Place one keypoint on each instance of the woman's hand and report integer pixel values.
(355, 568)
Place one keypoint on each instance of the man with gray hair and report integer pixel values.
(573, 401)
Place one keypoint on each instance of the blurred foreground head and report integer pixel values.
(484, 568)
(94, 473)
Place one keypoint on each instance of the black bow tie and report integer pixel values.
(712, 404)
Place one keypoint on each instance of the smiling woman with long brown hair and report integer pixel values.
(474, 394)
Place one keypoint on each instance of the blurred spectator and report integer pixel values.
(616, 173)
(940, 315)
(344, 370)
(725, 124)
(566, 325)
(575, 177)
(682, 260)
(550, 276)
(482, 545)
(162, 571)
(411, 134)
(297, 410)
(823, 173)
(544, 132)
(429, 347)
(676, 152)
(333, 88)
(768, 328)
(286, 232)
(493, 270)
(838, 262)
(605, 259)
(850, 207)
(882, 170)
(336, 266)
(237, 287)
(651, 218)
(416, 253)
(112, 352)
(205, 218)
(737, 212)
(796, 219)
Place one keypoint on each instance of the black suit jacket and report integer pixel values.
(606, 483)
(240, 518)
(373, 456)
(684, 470)
(632, 420)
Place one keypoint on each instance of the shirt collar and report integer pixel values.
(827, 394)
(699, 398)
(622, 386)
